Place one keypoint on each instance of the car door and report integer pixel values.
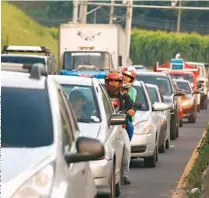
(115, 132)
(77, 171)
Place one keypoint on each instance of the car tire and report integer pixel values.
(112, 183)
(167, 144)
(122, 170)
(173, 127)
(117, 190)
(192, 118)
(152, 160)
(162, 148)
(181, 123)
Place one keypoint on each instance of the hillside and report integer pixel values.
(20, 29)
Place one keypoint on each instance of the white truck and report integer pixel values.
(98, 45)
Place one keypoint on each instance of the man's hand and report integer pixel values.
(123, 126)
(131, 112)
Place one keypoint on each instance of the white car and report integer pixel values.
(98, 123)
(144, 143)
(163, 116)
(40, 145)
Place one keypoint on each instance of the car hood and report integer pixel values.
(89, 129)
(141, 116)
(16, 161)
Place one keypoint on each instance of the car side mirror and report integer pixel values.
(159, 106)
(88, 149)
(118, 119)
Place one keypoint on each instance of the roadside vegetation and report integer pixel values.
(20, 29)
(194, 178)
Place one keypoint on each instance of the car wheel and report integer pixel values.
(177, 129)
(162, 148)
(117, 190)
(192, 118)
(152, 160)
(112, 183)
(173, 129)
(167, 144)
(122, 170)
(181, 123)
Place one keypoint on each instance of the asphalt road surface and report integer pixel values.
(159, 182)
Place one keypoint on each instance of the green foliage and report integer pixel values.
(19, 29)
(194, 177)
(147, 47)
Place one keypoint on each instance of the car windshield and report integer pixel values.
(26, 118)
(188, 77)
(141, 98)
(153, 94)
(185, 86)
(83, 103)
(22, 59)
(162, 82)
(72, 60)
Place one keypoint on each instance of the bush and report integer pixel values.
(147, 47)
(20, 29)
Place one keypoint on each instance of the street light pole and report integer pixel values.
(129, 12)
(112, 12)
(75, 10)
(179, 17)
(83, 11)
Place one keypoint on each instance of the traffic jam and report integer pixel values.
(77, 126)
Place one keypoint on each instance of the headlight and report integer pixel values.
(39, 186)
(143, 128)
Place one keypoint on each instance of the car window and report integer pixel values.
(153, 94)
(70, 113)
(185, 86)
(26, 120)
(162, 82)
(84, 102)
(141, 98)
(22, 59)
(108, 99)
(106, 105)
(188, 77)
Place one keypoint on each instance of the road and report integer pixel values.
(158, 182)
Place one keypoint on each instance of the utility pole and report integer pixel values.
(75, 10)
(179, 17)
(83, 11)
(112, 12)
(129, 12)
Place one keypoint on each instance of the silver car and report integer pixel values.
(40, 143)
(144, 143)
(96, 119)
(163, 116)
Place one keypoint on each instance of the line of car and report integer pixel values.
(53, 148)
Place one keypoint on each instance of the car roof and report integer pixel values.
(21, 80)
(181, 72)
(72, 80)
(181, 80)
(25, 55)
(161, 74)
(151, 85)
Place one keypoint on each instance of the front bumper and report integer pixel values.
(142, 145)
